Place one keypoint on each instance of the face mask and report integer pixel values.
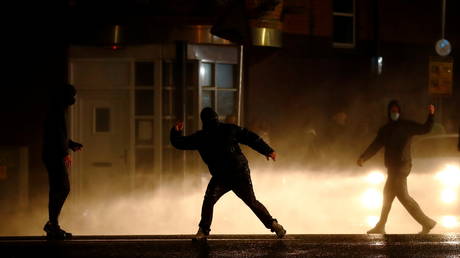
(394, 116)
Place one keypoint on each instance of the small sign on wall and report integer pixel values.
(440, 78)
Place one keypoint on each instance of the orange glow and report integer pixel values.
(372, 198)
(449, 221)
(449, 176)
(449, 195)
(372, 221)
(375, 177)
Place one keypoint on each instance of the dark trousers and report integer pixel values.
(241, 185)
(396, 187)
(59, 187)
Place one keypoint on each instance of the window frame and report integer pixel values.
(342, 14)
(214, 89)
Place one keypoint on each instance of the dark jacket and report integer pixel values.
(56, 142)
(396, 138)
(219, 149)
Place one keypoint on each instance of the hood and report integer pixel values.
(391, 104)
(64, 96)
(209, 118)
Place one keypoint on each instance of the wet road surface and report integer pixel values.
(447, 245)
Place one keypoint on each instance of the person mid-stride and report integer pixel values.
(218, 146)
(56, 157)
(395, 137)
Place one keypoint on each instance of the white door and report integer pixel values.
(103, 126)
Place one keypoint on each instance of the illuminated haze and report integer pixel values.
(305, 202)
(309, 191)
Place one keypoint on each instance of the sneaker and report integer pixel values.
(201, 235)
(55, 232)
(377, 230)
(427, 228)
(278, 229)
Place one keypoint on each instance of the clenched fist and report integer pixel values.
(179, 126)
(272, 156)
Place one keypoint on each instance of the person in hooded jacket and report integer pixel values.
(218, 145)
(395, 137)
(56, 157)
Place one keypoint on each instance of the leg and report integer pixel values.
(388, 197)
(244, 190)
(412, 206)
(59, 188)
(216, 188)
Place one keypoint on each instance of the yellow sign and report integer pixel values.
(440, 76)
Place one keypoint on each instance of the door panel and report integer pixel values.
(104, 126)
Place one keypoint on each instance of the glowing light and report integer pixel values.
(375, 177)
(449, 176)
(449, 221)
(371, 199)
(449, 195)
(377, 242)
(202, 72)
(372, 221)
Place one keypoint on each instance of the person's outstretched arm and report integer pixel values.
(425, 128)
(373, 148)
(254, 141)
(190, 142)
(75, 146)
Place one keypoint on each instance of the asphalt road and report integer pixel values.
(235, 246)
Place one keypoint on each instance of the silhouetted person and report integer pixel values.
(218, 145)
(56, 145)
(395, 137)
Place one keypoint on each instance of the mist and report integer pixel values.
(304, 201)
(314, 187)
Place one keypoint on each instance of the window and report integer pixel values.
(144, 74)
(225, 76)
(144, 103)
(207, 99)
(144, 82)
(226, 100)
(168, 90)
(206, 75)
(218, 87)
(343, 23)
(168, 156)
(144, 132)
